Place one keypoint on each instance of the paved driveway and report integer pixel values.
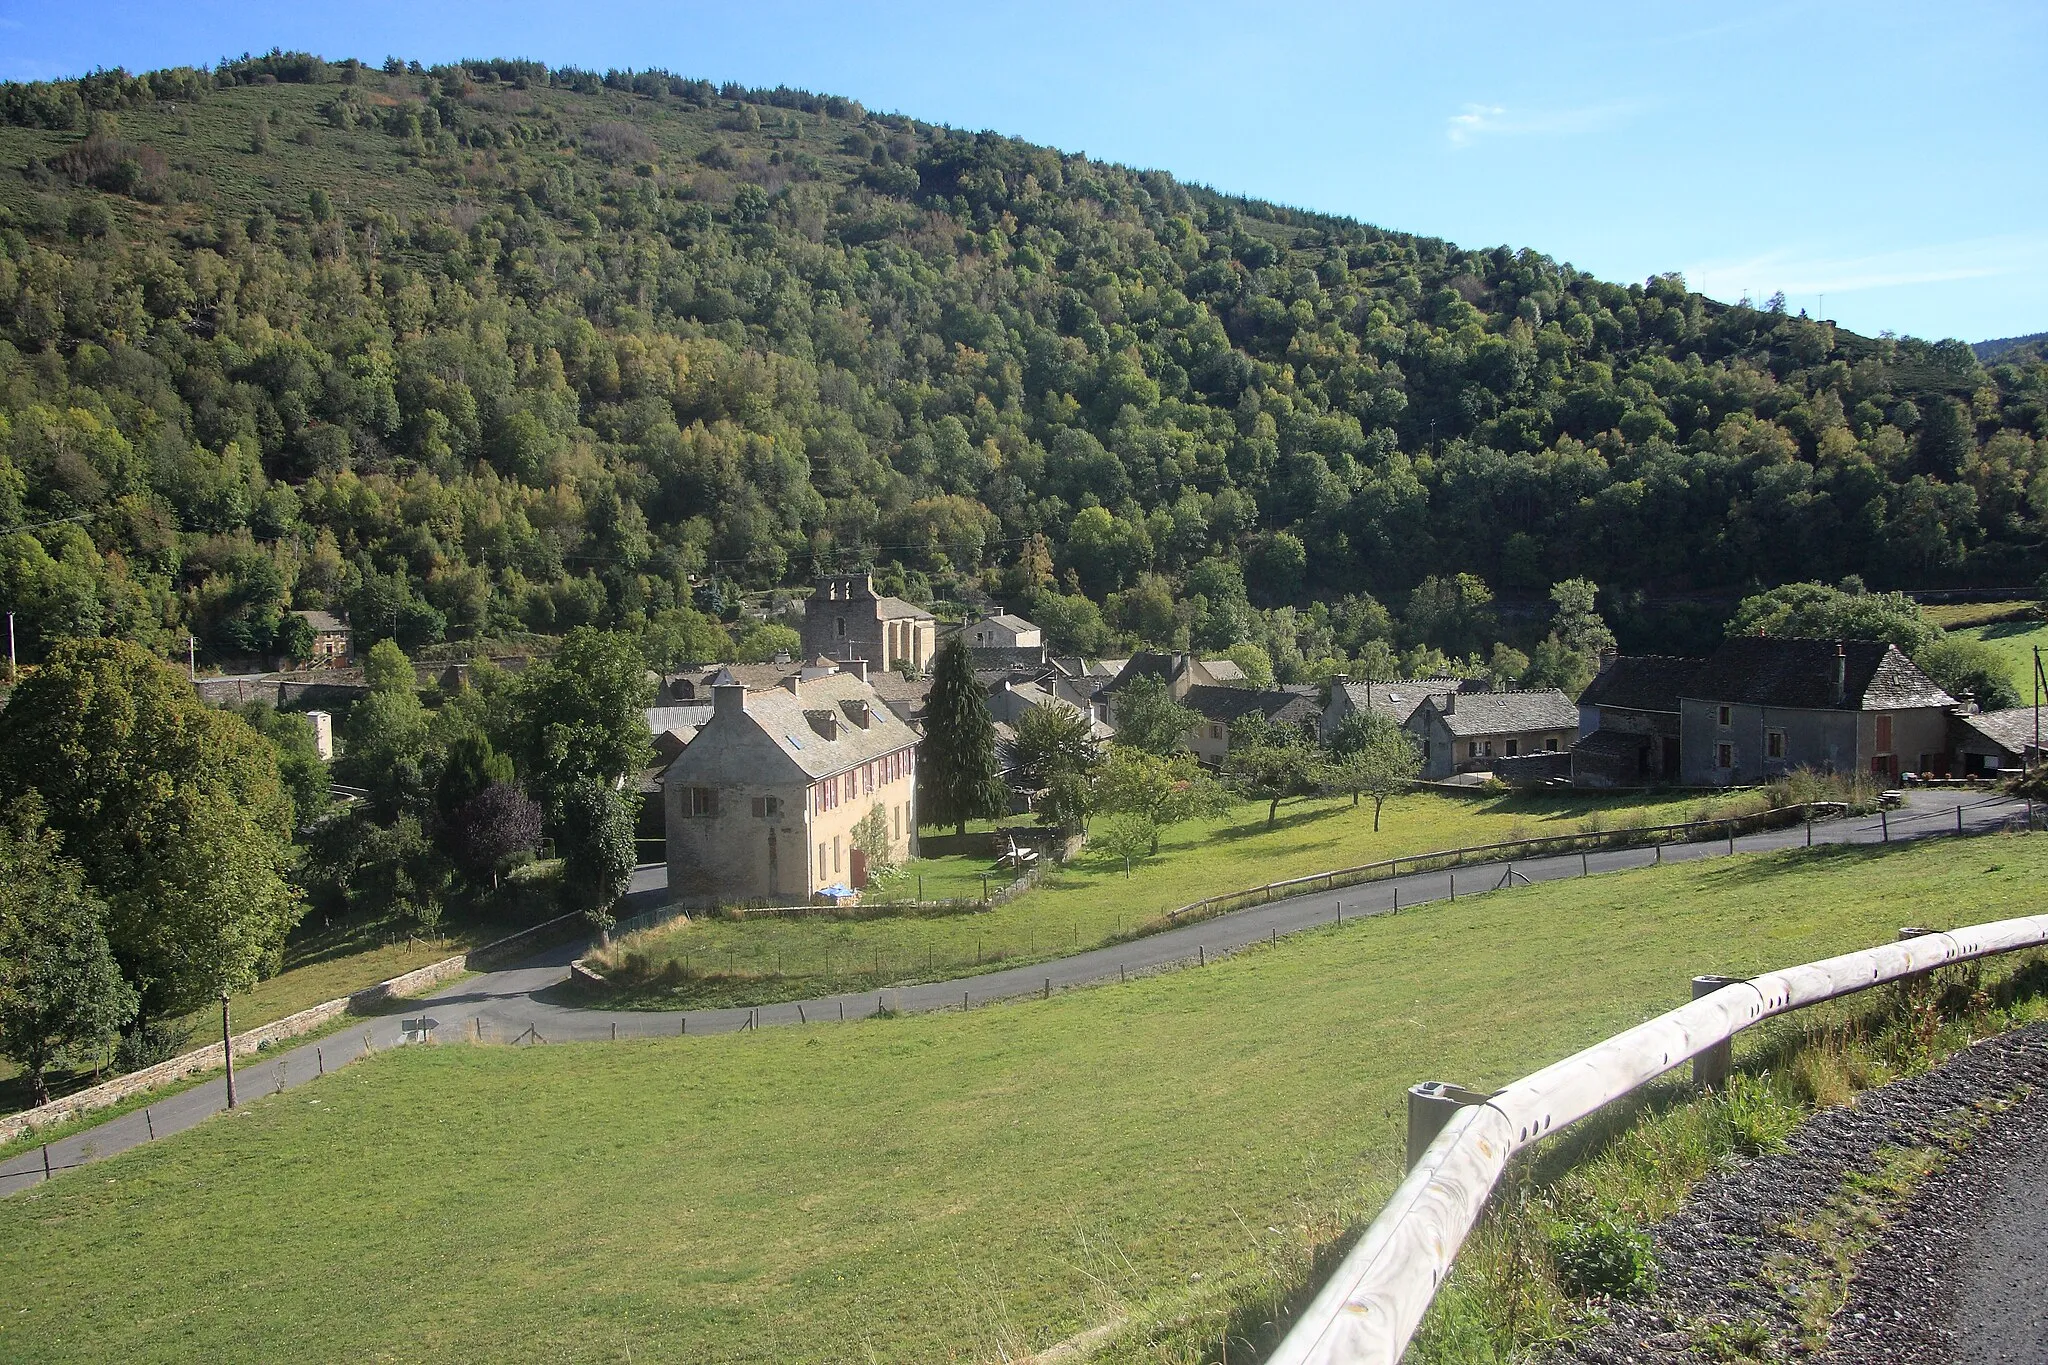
(507, 1006)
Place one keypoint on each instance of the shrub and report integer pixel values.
(1602, 1259)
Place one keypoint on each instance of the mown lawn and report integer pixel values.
(1089, 902)
(932, 1188)
(2015, 642)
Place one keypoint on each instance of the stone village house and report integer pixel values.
(761, 801)
(1472, 731)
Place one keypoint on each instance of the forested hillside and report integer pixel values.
(493, 349)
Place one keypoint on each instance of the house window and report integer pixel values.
(1774, 744)
(1884, 734)
(835, 853)
(1427, 746)
(1725, 718)
(767, 807)
(822, 872)
(1472, 749)
(1550, 745)
(842, 627)
(700, 801)
(1724, 755)
(896, 820)
(1512, 747)
(1215, 732)
(1489, 748)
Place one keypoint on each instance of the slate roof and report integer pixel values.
(1800, 674)
(323, 622)
(1398, 699)
(985, 658)
(779, 728)
(1007, 620)
(896, 609)
(1226, 671)
(684, 715)
(2011, 730)
(1233, 703)
(1508, 713)
(1642, 682)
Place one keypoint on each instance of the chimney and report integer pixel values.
(793, 684)
(1450, 703)
(857, 667)
(1840, 691)
(728, 700)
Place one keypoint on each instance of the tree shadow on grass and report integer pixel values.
(2019, 625)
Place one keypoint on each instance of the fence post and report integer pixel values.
(1959, 819)
(46, 1161)
(1660, 853)
(1397, 898)
(1710, 1068)
(146, 1118)
(1809, 824)
(1584, 869)
(1430, 1106)
(1884, 823)
(1731, 838)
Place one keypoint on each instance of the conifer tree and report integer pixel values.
(956, 771)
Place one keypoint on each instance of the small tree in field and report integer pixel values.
(1371, 755)
(1127, 836)
(1269, 763)
(1165, 791)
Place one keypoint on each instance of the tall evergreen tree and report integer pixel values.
(957, 776)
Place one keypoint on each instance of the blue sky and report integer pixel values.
(1885, 156)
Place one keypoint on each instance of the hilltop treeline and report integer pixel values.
(497, 348)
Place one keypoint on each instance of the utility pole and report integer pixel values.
(192, 658)
(13, 664)
(2035, 757)
(227, 1048)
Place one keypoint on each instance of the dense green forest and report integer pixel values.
(492, 349)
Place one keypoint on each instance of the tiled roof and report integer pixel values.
(1225, 671)
(986, 657)
(322, 622)
(1800, 674)
(677, 717)
(1508, 713)
(1642, 682)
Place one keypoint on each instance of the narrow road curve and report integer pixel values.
(506, 1006)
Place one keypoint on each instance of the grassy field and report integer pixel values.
(932, 1188)
(1089, 902)
(1961, 615)
(2015, 642)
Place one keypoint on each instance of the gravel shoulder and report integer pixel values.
(1954, 1274)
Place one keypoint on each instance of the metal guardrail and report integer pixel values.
(1374, 1300)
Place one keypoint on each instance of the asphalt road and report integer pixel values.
(510, 1006)
(2002, 1279)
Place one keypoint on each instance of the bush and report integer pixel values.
(1603, 1259)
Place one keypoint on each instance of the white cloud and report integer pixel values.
(1478, 121)
(1799, 272)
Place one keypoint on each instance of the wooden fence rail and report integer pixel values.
(1693, 831)
(1372, 1303)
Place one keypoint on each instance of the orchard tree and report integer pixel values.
(60, 989)
(957, 776)
(1052, 738)
(1165, 791)
(1269, 763)
(1372, 755)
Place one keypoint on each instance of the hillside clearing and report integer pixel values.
(926, 1188)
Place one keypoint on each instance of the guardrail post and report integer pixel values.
(1710, 1068)
(1430, 1106)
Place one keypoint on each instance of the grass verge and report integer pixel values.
(2014, 641)
(709, 961)
(1177, 1152)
